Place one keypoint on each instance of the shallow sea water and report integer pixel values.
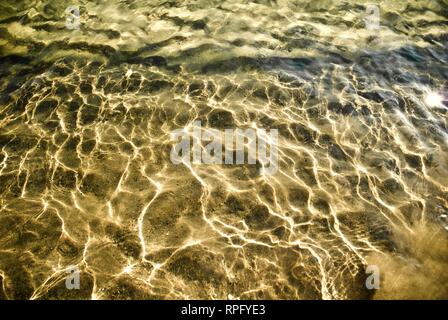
(86, 178)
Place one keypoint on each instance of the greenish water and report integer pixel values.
(86, 178)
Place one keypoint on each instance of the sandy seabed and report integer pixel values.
(86, 178)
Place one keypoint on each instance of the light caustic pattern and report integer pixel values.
(86, 178)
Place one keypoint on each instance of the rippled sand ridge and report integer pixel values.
(86, 178)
